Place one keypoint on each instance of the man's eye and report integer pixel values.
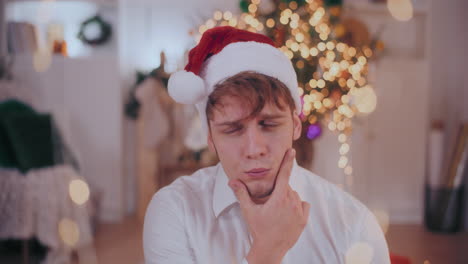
(268, 124)
(232, 130)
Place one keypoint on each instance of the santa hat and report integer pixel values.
(224, 52)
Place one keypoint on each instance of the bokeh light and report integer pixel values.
(79, 191)
(359, 253)
(69, 232)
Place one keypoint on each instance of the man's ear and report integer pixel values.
(297, 126)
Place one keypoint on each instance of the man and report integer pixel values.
(257, 205)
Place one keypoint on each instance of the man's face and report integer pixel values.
(252, 150)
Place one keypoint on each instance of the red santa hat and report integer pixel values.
(224, 52)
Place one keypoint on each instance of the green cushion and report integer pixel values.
(8, 107)
(31, 138)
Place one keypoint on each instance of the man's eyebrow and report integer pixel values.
(261, 116)
(229, 123)
(271, 116)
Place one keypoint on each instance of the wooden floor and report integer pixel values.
(121, 244)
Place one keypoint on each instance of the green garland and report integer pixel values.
(105, 28)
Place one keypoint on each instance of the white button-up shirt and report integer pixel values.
(197, 219)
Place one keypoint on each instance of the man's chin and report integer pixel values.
(261, 198)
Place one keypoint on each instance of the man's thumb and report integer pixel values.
(241, 192)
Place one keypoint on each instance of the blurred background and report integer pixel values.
(88, 132)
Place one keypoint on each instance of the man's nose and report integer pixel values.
(256, 145)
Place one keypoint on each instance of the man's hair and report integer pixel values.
(254, 90)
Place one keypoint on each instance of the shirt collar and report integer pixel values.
(223, 196)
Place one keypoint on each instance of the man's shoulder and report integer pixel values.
(331, 193)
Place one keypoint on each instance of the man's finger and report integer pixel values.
(241, 193)
(284, 172)
(305, 210)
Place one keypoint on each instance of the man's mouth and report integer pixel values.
(257, 172)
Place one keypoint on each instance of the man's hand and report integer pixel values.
(276, 225)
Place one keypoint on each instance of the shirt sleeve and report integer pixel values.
(164, 237)
(371, 234)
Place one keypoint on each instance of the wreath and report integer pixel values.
(95, 31)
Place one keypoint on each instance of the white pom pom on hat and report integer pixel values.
(224, 52)
(186, 87)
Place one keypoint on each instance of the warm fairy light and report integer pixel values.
(320, 83)
(351, 83)
(210, 23)
(79, 191)
(327, 102)
(218, 15)
(69, 232)
(227, 15)
(321, 46)
(300, 64)
(312, 119)
(342, 138)
(351, 51)
(335, 68)
(255, 23)
(294, 24)
(287, 13)
(202, 29)
(299, 37)
(330, 45)
(342, 162)
(330, 55)
(292, 5)
(252, 8)
(295, 17)
(313, 83)
(301, 91)
(314, 52)
(323, 36)
(318, 104)
(294, 46)
(340, 47)
(401, 10)
(359, 253)
(341, 126)
(270, 22)
(365, 99)
(233, 22)
(332, 126)
(344, 149)
(345, 99)
(361, 81)
(362, 60)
